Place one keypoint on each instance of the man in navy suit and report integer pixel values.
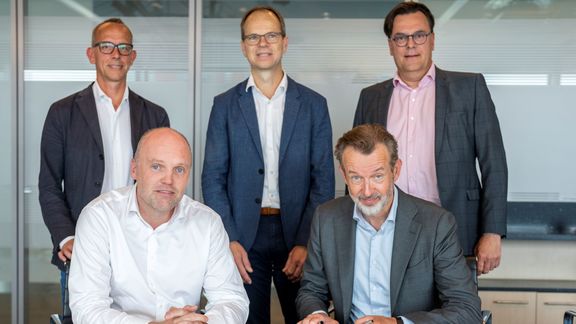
(267, 165)
(89, 137)
(445, 123)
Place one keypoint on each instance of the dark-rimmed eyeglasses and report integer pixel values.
(419, 38)
(108, 48)
(271, 38)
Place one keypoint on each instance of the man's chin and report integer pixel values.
(370, 211)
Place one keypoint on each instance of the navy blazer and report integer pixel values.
(466, 130)
(72, 157)
(430, 281)
(233, 173)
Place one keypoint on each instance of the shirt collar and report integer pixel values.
(100, 95)
(282, 86)
(429, 77)
(357, 215)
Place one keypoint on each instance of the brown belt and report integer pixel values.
(269, 211)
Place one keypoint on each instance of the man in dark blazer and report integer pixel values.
(78, 138)
(445, 122)
(267, 166)
(381, 255)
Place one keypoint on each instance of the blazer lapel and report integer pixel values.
(442, 104)
(291, 108)
(345, 231)
(136, 104)
(248, 109)
(405, 236)
(86, 103)
(384, 103)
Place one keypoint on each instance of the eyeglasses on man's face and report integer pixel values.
(108, 48)
(418, 37)
(271, 38)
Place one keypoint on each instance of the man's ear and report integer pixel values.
(133, 169)
(90, 55)
(397, 168)
(343, 173)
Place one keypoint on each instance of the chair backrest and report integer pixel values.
(569, 316)
(471, 261)
(66, 317)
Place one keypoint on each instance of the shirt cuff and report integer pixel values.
(64, 241)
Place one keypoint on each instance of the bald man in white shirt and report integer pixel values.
(145, 253)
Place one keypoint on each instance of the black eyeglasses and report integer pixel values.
(419, 38)
(271, 38)
(108, 48)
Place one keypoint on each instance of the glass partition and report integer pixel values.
(57, 34)
(7, 158)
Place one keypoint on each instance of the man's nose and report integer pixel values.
(367, 188)
(167, 178)
(410, 42)
(262, 42)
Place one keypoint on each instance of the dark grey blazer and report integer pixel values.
(72, 157)
(467, 130)
(430, 281)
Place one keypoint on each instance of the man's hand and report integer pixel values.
(318, 318)
(375, 320)
(488, 252)
(65, 252)
(295, 262)
(241, 260)
(184, 315)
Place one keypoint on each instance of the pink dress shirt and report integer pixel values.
(411, 121)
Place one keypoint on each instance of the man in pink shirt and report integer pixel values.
(445, 123)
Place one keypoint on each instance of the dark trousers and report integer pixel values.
(268, 256)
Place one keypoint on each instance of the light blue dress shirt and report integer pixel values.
(373, 257)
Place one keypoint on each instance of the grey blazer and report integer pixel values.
(72, 157)
(429, 279)
(467, 130)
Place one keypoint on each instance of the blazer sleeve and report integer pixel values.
(492, 162)
(321, 172)
(55, 210)
(216, 168)
(314, 293)
(452, 278)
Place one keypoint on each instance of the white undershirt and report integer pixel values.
(270, 113)
(116, 139)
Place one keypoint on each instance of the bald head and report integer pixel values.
(157, 136)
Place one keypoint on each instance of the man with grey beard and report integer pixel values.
(383, 256)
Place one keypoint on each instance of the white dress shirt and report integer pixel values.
(270, 113)
(126, 272)
(116, 139)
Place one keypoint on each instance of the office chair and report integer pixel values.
(486, 314)
(569, 316)
(66, 317)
